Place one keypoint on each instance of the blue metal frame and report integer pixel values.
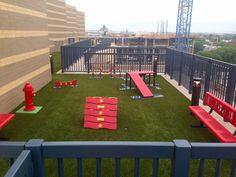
(183, 25)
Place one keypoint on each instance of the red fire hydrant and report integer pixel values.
(29, 94)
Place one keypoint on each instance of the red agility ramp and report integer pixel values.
(144, 90)
(100, 112)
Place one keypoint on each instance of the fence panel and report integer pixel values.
(201, 69)
(216, 152)
(176, 65)
(123, 59)
(217, 77)
(30, 162)
(114, 150)
(186, 63)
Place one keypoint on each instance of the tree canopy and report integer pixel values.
(225, 53)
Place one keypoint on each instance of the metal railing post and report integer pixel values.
(229, 95)
(208, 76)
(182, 156)
(180, 68)
(35, 146)
(172, 64)
(192, 69)
(62, 58)
(167, 61)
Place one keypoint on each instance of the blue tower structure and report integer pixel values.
(182, 40)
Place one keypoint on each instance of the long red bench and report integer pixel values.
(225, 110)
(5, 119)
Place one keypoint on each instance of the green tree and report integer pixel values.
(226, 53)
(198, 46)
(210, 54)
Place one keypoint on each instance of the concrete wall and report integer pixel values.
(29, 32)
(24, 50)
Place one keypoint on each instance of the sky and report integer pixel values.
(217, 16)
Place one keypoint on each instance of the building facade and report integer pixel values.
(29, 32)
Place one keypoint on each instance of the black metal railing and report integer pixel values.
(124, 59)
(217, 77)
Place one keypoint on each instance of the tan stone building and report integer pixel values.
(56, 18)
(29, 32)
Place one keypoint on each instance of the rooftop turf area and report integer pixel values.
(62, 116)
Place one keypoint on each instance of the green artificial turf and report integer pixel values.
(61, 119)
(159, 119)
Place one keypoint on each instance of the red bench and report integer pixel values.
(225, 110)
(4, 120)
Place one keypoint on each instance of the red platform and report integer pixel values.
(99, 100)
(100, 125)
(101, 106)
(104, 112)
(88, 118)
(100, 112)
(5, 119)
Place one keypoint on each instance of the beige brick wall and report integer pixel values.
(80, 24)
(56, 18)
(71, 13)
(29, 31)
(64, 21)
(24, 50)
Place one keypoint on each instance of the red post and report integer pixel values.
(29, 94)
